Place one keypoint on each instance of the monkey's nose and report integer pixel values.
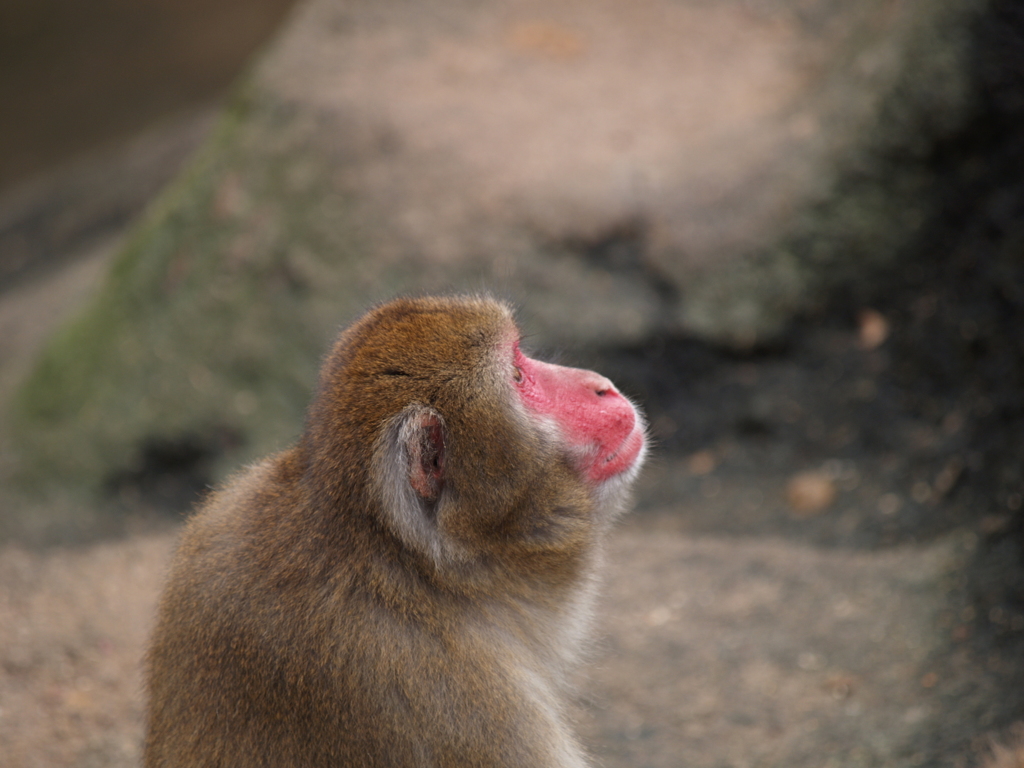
(602, 387)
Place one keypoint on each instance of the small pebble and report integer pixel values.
(873, 330)
(810, 493)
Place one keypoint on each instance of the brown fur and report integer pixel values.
(325, 610)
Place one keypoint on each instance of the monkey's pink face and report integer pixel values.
(601, 426)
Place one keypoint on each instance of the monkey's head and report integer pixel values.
(477, 451)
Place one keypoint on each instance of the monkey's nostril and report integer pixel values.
(601, 392)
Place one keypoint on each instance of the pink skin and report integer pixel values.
(593, 417)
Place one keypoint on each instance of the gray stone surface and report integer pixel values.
(742, 154)
(622, 170)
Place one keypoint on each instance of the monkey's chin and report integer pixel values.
(628, 455)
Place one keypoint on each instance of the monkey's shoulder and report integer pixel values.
(249, 495)
(251, 535)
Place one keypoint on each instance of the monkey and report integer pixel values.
(410, 584)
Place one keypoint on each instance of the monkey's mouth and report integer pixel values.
(621, 458)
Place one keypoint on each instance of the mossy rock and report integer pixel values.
(209, 329)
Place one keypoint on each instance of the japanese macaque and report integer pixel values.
(410, 584)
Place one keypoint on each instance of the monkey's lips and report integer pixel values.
(618, 460)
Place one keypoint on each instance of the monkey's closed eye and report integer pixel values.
(517, 359)
(395, 372)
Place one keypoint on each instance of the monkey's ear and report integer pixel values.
(424, 436)
(409, 473)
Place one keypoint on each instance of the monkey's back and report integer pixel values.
(282, 641)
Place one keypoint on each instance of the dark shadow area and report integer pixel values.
(169, 476)
(74, 76)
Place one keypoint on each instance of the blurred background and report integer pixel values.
(793, 230)
(83, 84)
(76, 79)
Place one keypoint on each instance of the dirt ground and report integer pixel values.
(713, 651)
